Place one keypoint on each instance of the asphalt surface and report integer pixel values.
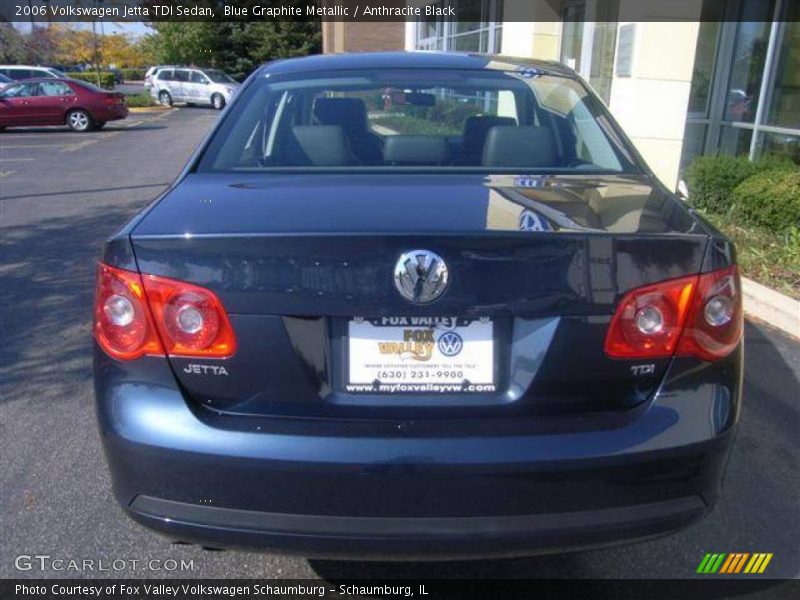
(62, 193)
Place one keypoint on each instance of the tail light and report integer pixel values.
(715, 323)
(697, 316)
(191, 320)
(137, 315)
(122, 323)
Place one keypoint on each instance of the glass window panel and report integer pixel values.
(498, 39)
(694, 138)
(703, 75)
(572, 36)
(470, 42)
(749, 54)
(734, 140)
(602, 69)
(54, 88)
(784, 108)
(473, 15)
(466, 26)
(779, 144)
(428, 27)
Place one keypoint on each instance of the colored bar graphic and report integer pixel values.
(741, 562)
(732, 560)
(715, 567)
(765, 563)
(703, 563)
(734, 563)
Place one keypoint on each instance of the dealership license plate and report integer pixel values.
(421, 354)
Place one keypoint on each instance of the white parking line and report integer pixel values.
(6, 147)
(4, 174)
(41, 135)
(15, 159)
(78, 145)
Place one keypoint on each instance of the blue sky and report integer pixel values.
(134, 29)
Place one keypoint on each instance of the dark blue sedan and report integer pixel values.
(417, 305)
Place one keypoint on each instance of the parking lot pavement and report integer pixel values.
(61, 194)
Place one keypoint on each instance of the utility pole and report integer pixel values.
(96, 48)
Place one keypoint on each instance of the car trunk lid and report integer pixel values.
(296, 258)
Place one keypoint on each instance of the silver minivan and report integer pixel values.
(193, 86)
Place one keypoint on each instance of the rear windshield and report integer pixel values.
(516, 120)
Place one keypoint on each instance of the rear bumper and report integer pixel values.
(414, 538)
(111, 113)
(401, 496)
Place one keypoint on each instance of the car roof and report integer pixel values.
(26, 67)
(411, 60)
(47, 79)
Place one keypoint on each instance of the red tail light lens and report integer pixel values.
(122, 323)
(698, 316)
(137, 315)
(715, 324)
(190, 319)
(649, 320)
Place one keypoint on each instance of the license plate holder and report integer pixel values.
(418, 355)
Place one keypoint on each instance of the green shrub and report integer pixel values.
(140, 100)
(133, 74)
(106, 79)
(769, 199)
(712, 179)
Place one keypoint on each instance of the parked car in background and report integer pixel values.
(77, 104)
(118, 77)
(477, 327)
(151, 71)
(193, 86)
(20, 72)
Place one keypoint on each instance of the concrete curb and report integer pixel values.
(149, 109)
(773, 307)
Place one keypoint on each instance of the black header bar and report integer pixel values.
(53, 11)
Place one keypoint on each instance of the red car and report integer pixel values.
(77, 104)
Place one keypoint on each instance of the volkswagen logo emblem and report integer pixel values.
(420, 276)
(450, 343)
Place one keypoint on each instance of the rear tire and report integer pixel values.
(218, 101)
(164, 98)
(79, 120)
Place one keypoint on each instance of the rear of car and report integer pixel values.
(417, 305)
(208, 87)
(151, 73)
(53, 102)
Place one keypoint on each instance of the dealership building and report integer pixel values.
(724, 80)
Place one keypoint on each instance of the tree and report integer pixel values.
(235, 47)
(76, 46)
(184, 43)
(12, 45)
(118, 50)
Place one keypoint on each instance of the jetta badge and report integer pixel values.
(420, 276)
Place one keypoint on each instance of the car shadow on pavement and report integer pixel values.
(46, 295)
(757, 511)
